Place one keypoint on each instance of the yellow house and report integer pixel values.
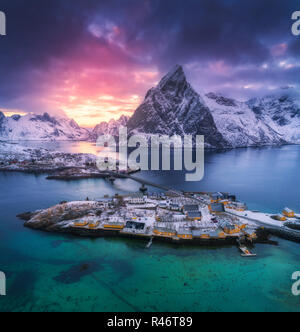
(184, 234)
(232, 231)
(81, 224)
(222, 235)
(288, 213)
(164, 232)
(205, 236)
(115, 226)
(280, 217)
(92, 226)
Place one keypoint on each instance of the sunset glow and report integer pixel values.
(96, 61)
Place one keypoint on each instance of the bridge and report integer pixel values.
(145, 182)
(154, 185)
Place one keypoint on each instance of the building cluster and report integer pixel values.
(190, 216)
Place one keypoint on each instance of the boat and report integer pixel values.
(246, 253)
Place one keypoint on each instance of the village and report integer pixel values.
(194, 217)
(190, 218)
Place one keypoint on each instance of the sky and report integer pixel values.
(93, 60)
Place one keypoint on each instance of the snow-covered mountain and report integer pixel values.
(41, 128)
(238, 124)
(173, 107)
(110, 128)
(281, 112)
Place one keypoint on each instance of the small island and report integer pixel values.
(207, 219)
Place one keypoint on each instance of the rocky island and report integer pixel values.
(215, 219)
(182, 219)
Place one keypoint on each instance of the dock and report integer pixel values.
(144, 182)
(150, 243)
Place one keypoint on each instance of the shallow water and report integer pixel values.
(51, 272)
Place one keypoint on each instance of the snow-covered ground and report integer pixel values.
(263, 218)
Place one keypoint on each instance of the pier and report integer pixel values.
(144, 183)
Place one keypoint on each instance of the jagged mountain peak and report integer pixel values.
(173, 107)
(174, 82)
(175, 74)
(110, 128)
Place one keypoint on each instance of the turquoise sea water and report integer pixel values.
(53, 272)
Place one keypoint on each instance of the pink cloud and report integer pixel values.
(97, 79)
(279, 49)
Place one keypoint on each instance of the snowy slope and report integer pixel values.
(281, 112)
(238, 124)
(41, 128)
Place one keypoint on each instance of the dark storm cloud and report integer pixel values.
(182, 31)
(38, 31)
(160, 33)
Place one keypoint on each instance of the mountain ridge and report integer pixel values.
(174, 107)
